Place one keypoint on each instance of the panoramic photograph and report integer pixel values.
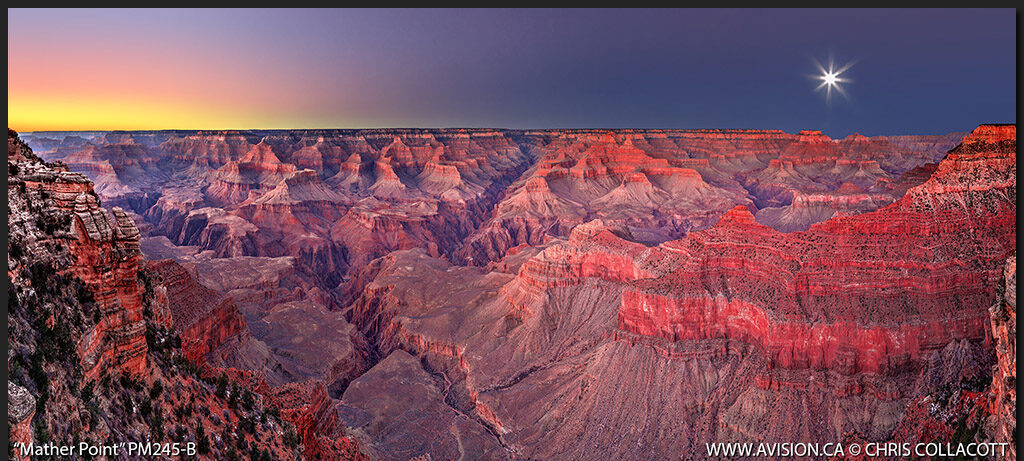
(511, 234)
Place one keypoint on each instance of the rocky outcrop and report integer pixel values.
(315, 416)
(108, 250)
(295, 219)
(992, 134)
(92, 355)
(21, 407)
(663, 184)
(168, 214)
(205, 319)
(208, 150)
(104, 251)
(814, 276)
(526, 288)
(258, 172)
(441, 186)
(312, 343)
(215, 336)
(1002, 425)
(227, 234)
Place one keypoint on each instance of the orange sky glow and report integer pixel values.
(139, 69)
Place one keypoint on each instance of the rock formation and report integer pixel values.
(1003, 423)
(104, 254)
(204, 319)
(21, 407)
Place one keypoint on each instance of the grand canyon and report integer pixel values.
(403, 294)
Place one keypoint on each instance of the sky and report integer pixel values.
(913, 71)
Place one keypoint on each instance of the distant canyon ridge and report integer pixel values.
(338, 199)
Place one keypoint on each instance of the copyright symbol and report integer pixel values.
(854, 449)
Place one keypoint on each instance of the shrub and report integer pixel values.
(158, 388)
(87, 391)
(50, 223)
(40, 274)
(41, 380)
(145, 408)
(222, 385)
(14, 250)
(248, 425)
(42, 433)
(202, 440)
(12, 297)
(128, 382)
(56, 343)
(291, 437)
(233, 398)
(248, 400)
(156, 424)
(84, 295)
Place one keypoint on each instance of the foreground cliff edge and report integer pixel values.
(574, 340)
(96, 361)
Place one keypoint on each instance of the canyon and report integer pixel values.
(548, 294)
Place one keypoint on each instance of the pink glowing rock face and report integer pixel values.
(1003, 392)
(739, 315)
(104, 254)
(871, 292)
(583, 293)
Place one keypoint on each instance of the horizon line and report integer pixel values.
(473, 128)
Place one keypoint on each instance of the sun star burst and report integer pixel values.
(830, 79)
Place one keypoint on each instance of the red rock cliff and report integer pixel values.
(105, 255)
(205, 318)
(1003, 394)
(867, 293)
(885, 286)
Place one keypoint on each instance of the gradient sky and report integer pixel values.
(916, 71)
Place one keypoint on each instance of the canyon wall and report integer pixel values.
(1002, 425)
(103, 252)
(737, 332)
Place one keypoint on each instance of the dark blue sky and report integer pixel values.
(916, 71)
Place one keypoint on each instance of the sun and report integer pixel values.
(830, 79)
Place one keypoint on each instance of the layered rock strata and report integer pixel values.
(749, 333)
(105, 254)
(1002, 425)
